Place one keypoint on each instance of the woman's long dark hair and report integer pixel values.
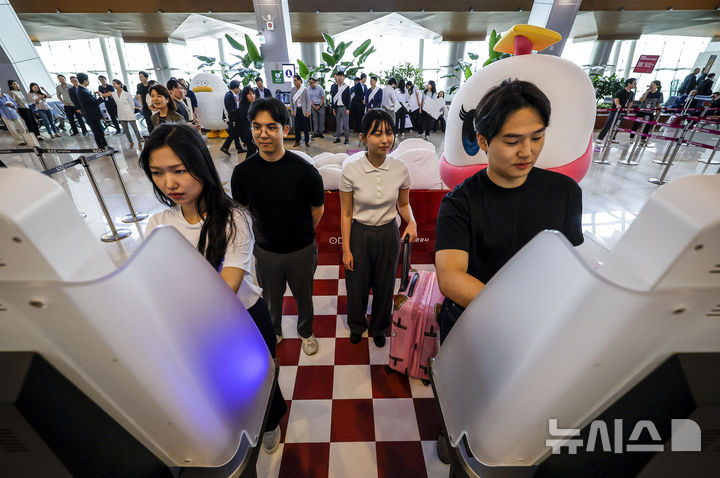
(244, 93)
(433, 89)
(115, 80)
(214, 206)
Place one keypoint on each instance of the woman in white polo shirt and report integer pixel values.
(177, 161)
(373, 189)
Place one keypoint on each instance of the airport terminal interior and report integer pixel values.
(347, 414)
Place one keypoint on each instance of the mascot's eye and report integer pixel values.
(469, 139)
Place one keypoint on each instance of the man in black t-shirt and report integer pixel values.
(143, 88)
(623, 99)
(485, 220)
(285, 196)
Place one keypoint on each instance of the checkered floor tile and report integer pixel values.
(347, 417)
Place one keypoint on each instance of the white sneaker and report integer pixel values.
(271, 440)
(310, 345)
(278, 339)
(599, 141)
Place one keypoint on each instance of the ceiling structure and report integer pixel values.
(454, 20)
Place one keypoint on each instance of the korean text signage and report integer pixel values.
(646, 63)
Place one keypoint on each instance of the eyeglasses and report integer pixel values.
(271, 128)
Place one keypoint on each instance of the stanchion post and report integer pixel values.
(133, 216)
(712, 155)
(608, 139)
(114, 234)
(39, 153)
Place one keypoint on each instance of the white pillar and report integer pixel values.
(557, 15)
(121, 58)
(106, 57)
(629, 62)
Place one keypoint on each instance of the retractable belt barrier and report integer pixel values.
(115, 234)
(686, 123)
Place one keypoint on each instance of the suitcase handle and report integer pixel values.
(413, 283)
(405, 273)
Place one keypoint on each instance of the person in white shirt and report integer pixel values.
(388, 98)
(414, 103)
(427, 121)
(373, 189)
(179, 165)
(401, 97)
(125, 111)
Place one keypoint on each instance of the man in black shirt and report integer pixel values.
(623, 99)
(704, 87)
(485, 220)
(285, 196)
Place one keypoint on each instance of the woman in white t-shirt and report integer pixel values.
(177, 161)
(402, 98)
(126, 111)
(373, 189)
(414, 102)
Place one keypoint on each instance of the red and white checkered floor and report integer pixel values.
(347, 417)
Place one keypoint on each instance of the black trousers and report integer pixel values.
(261, 316)
(29, 118)
(302, 125)
(72, 115)
(112, 111)
(427, 123)
(233, 135)
(98, 132)
(357, 111)
(250, 145)
(646, 128)
(375, 250)
(147, 114)
(400, 120)
(608, 124)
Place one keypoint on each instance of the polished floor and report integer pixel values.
(347, 417)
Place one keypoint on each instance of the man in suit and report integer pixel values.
(260, 91)
(232, 101)
(357, 104)
(63, 92)
(689, 83)
(91, 110)
(340, 94)
(300, 105)
(72, 91)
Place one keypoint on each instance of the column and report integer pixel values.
(309, 54)
(119, 46)
(601, 54)
(629, 63)
(617, 45)
(421, 54)
(558, 15)
(275, 49)
(18, 58)
(161, 61)
(455, 50)
(106, 57)
(221, 50)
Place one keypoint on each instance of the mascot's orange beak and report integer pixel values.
(204, 89)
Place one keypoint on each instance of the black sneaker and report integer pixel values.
(337, 140)
(379, 340)
(347, 142)
(320, 136)
(355, 338)
(443, 447)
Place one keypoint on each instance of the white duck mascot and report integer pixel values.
(210, 92)
(568, 138)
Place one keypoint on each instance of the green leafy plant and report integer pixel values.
(406, 71)
(462, 70)
(248, 66)
(494, 55)
(606, 86)
(334, 60)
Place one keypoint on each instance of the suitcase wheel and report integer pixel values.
(425, 382)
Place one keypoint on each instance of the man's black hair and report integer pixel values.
(61, 75)
(503, 100)
(711, 75)
(363, 75)
(103, 77)
(277, 109)
(629, 80)
(392, 81)
(257, 78)
(172, 84)
(144, 73)
(82, 78)
(373, 77)
(297, 77)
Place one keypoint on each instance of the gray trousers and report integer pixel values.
(342, 123)
(126, 127)
(318, 119)
(297, 269)
(375, 251)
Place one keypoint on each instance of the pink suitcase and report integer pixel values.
(414, 336)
